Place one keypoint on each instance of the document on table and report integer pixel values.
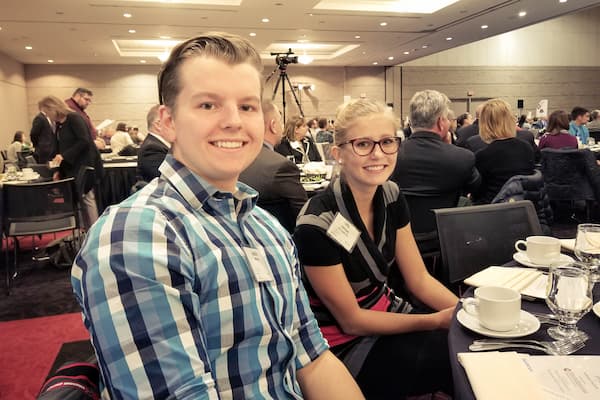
(567, 377)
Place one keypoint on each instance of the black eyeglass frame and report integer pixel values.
(396, 139)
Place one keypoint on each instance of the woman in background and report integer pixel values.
(505, 156)
(296, 143)
(348, 237)
(557, 134)
(14, 148)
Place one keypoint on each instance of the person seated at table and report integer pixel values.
(120, 139)
(557, 135)
(577, 127)
(14, 148)
(296, 144)
(274, 177)
(349, 237)
(76, 150)
(464, 119)
(154, 148)
(505, 155)
(323, 135)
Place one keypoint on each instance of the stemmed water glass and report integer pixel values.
(587, 248)
(569, 296)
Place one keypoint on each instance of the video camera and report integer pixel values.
(283, 59)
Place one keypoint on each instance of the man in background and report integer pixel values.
(79, 101)
(43, 138)
(274, 177)
(463, 134)
(153, 149)
(579, 117)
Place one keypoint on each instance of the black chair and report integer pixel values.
(566, 179)
(475, 237)
(30, 209)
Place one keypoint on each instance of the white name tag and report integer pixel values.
(258, 264)
(343, 232)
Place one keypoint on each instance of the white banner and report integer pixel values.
(542, 109)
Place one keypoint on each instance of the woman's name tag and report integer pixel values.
(343, 232)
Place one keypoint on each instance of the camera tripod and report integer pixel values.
(283, 78)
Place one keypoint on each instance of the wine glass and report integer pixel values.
(587, 248)
(569, 296)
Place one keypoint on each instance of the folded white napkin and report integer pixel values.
(500, 376)
(568, 244)
(516, 278)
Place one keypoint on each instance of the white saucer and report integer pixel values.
(527, 325)
(597, 309)
(522, 258)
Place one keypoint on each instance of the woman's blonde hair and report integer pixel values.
(496, 121)
(349, 112)
(293, 123)
(54, 104)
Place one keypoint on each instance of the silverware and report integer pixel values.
(558, 348)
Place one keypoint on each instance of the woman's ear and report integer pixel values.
(335, 152)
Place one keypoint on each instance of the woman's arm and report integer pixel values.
(334, 291)
(418, 280)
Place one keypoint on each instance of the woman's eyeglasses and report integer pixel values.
(365, 146)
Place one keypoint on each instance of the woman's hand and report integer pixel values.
(444, 317)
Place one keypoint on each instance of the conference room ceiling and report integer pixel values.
(330, 32)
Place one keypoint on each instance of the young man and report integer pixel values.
(579, 117)
(188, 290)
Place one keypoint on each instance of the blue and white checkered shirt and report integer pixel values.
(172, 304)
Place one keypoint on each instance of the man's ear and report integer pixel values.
(272, 127)
(167, 124)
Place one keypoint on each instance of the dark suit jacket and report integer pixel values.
(43, 139)
(77, 148)
(277, 181)
(475, 143)
(285, 149)
(151, 154)
(464, 133)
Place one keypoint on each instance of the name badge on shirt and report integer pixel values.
(258, 264)
(343, 232)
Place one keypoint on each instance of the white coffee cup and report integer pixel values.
(27, 170)
(496, 308)
(540, 249)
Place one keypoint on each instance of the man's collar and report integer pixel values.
(162, 140)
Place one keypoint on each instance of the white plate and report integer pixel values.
(522, 258)
(527, 325)
(597, 309)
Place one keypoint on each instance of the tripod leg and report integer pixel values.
(287, 78)
(275, 88)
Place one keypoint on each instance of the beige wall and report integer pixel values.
(13, 99)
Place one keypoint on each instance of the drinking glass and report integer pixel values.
(587, 248)
(569, 296)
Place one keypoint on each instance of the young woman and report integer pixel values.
(557, 135)
(348, 239)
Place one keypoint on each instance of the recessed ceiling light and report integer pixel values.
(143, 61)
(522, 13)
(425, 46)
(448, 38)
(165, 37)
(562, 1)
(131, 31)
(50, 61)
(390, 57)
(303, 40)
(357, 37)
(305, 59)
(484, 26)
(28, 48)
(265, 20)
(127, 15)
(383, 23)
(252, 34)
(364, 52)
(375, 63)
(406, 52)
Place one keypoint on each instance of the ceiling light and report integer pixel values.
(28, 48)
(562, 1)
(165, 37)
(390, 58)
(143, 61)
(265, 20)
(163, 56)
(252, 34)
(522, 13)
(425, 46)
(131, 31)
(383, 24)
(375, 63)
(484, 26)
(50, 61)
(305, 59)
(448, 38)
(406, 52)
(357, 37)
(127, 15)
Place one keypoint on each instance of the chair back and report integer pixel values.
(475, 237)
(565, 176)
(38, 208)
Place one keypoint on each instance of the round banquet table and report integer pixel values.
(459, 339)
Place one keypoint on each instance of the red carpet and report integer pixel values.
(28, 349)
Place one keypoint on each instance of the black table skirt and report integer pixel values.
(116, 185)
(459, 339)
